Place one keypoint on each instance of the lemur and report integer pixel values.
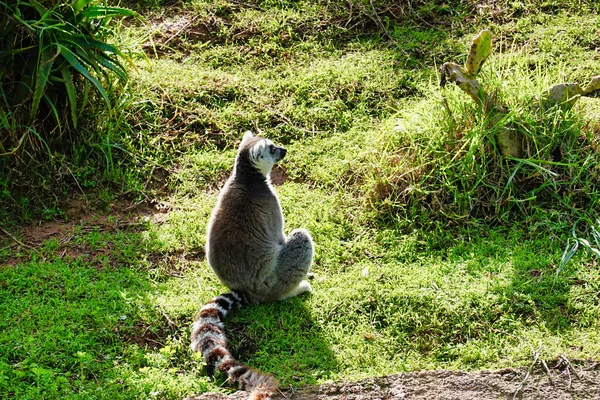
(250, 254)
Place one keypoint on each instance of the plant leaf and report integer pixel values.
(563, 93)
(72, 59)
(567, 254)
(100, 11)
(479, 52)
(592, 87)
(54, 114)
(79, 5)
(41, 79)
(114, 66)
(88, 43)
(71, 94)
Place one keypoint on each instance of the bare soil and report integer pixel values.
(559, 382)
(80, 216)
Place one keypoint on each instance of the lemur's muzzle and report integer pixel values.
(280, 153)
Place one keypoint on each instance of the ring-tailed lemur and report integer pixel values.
(247, 249)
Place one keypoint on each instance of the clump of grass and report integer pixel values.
(443, 162)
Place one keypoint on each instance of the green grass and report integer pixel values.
(383, 302)
(432, 251)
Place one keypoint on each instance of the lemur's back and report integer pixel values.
(245, 231)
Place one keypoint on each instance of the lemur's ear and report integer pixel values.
(246, 137)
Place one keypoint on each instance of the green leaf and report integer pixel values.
(79, 5)
(114, 66)
(567, 255)
(43, 11)
(592, 87)
(479, 52)
(565, 94)
(71, 93)
(43, 71)
(54, 112)
(100, 11)
(89, 43)
(72, 59)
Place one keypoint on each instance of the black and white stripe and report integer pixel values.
(208, 337)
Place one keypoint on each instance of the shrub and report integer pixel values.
(54, 63)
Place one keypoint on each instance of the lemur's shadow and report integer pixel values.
(282, 339)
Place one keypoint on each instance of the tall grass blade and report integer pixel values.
(567, 255)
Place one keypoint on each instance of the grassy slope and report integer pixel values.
(387, 298)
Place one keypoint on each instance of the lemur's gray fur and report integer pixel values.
(248, 250)
(246, 246)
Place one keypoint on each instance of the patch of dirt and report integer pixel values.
(559, 382)
(179, 31)
(123, 215)
(176, 263)
(278, 175)
(145, 336)
(82, 218)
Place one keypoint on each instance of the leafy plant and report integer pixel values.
(571, 249)
(54, 57)
(458, 170)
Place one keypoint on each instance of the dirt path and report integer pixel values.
(574, 383)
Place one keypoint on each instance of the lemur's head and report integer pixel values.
(259, 153)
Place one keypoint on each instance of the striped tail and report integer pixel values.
(208, 337)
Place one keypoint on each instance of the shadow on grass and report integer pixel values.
(287, 342)
(484, 300)
(99, 319)
(519, 302)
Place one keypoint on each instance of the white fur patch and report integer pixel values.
(207, 320)
(247, 135)
(261, 156)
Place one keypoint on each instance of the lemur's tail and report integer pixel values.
(208, 337)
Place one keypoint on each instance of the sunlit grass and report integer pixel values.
(426, 257)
